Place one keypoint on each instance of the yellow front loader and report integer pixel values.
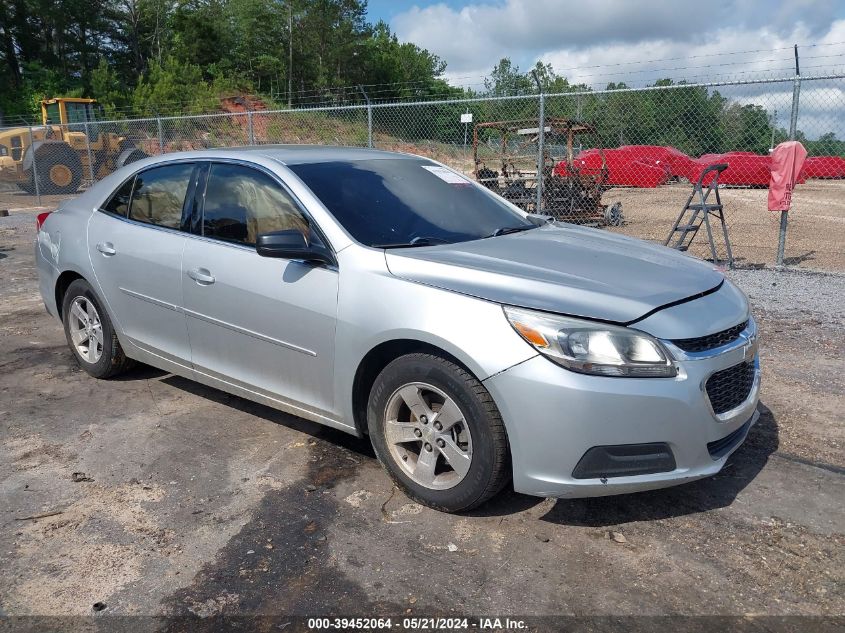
(68, 148)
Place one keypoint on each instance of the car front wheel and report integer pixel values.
(438, 433)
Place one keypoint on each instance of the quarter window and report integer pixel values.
(242, 203)
(159, 195)
(119, 202)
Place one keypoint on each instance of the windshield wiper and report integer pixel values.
(417, 241)
(511, 229)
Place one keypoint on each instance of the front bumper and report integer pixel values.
(554, 417)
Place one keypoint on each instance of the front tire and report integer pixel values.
(438, 433)
(90, 333)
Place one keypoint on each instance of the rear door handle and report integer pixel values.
(106, 248)
(202, 276)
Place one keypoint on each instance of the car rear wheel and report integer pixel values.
(438, 433)
(90, 333)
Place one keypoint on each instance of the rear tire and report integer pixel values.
(90, 333)
(448, 450)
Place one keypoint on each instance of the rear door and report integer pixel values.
(262, 324)
(135, 244)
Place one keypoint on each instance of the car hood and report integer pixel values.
(560, 268)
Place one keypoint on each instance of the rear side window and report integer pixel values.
(242, 203)
(119, 202)
(159, 195)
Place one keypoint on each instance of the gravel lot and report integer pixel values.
(815, 233)
(190, 501)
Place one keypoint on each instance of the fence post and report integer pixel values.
(35, 171)
(793, 129)
(160, 136)
(251, 129)
(369, 117)
(90, 155)
(541, 133)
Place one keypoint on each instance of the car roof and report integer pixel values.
(301, 154)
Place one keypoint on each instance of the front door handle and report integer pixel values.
(106, 248)
(202, 276)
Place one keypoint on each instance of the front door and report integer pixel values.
(263, 324)
(135, 244)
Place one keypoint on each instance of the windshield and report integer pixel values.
(406, 202)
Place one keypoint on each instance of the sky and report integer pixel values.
(598, 41)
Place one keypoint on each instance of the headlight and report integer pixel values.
(592, 348)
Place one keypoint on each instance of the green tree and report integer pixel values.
(506, 80)
(109, 91)
(173, 86)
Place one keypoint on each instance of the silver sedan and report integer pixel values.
(387, 295)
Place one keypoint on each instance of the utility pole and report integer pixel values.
(290, 53)
(541, 132)
(774, 127)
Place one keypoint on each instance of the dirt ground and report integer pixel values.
(158, 496)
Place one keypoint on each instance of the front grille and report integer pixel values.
(730, 387)
(711, 341)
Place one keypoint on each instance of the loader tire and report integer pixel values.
(58, 168)
(129, 156)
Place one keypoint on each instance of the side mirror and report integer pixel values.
(290, 244)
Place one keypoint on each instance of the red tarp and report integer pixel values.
(654, 165)
(824, 167)
(787, 161)
(624, 168)
(678, 163)
(744, 169)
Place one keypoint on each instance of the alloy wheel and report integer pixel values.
(428, 436)
(86, 329)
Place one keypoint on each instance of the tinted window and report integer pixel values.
(159, 195)
(241, 203)
(394, 201)
(119, 202)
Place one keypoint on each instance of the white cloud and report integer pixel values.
(606, 41)
(574, 35)
(726, 53)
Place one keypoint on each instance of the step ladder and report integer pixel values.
(697, 212)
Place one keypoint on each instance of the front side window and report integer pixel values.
(53, 114)
(406, 201)
(242, 203)
(159, 195)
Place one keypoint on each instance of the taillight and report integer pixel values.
(40, 218)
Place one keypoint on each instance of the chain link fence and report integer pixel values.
(624, 160)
